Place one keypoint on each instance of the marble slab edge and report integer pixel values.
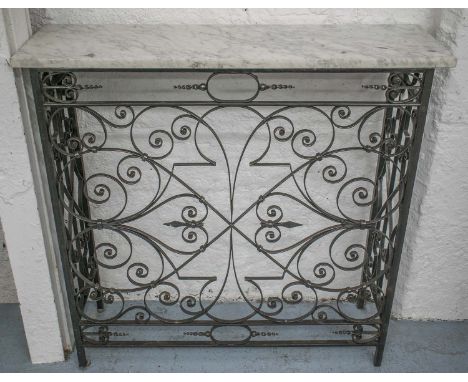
(273, 47)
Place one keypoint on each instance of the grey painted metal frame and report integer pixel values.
(397, 148)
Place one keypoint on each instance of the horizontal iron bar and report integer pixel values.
(214, 344)
(239, 104)
(243, 323)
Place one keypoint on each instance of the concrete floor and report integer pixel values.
(411, 347)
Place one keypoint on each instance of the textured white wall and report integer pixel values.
(433, 275)
(424, 17)
(19, 208)
(434, 282)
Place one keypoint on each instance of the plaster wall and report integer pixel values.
(19, 207)
(434, 268)
(432, 282)
(427, 18)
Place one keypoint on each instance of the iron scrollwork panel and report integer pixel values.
(230, 215)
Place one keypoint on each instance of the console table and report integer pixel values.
(230, 185)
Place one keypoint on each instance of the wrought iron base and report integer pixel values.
(230, 208)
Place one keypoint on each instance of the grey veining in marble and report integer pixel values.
(232, 46)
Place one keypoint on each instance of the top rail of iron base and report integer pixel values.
(232, 88)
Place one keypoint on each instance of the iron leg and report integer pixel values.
(82, 360)
(378, 354)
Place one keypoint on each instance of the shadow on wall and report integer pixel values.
(7, 284)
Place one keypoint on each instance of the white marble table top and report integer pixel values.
(232, 47)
